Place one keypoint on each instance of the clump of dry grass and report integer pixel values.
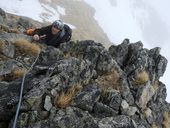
(13, 30)
(1, 45)
(141, 78)
(165, 123)
(147, 112)
(15, 74)
(25, 46)
(4, 28)
(155, 86)
(109, 80)
(64, 98)
(154, 125)
(67, 55)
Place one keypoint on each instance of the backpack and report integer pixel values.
(68, 33)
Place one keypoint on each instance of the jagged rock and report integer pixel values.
(69, 72)
(101, 110)
(117, 122)
(24, 22)
(7, 49)
(87, 98)
(143, 124)
(119, 53)
(25, 119)
(158, 104)
(148, 115)
(137, 58)
(128, 110)
(161, 94)
(3, 85)
(50, 55)
(105, 62)
(124, 105)
(144, 95)
(2, 15)
(132, 110)
(6, 67)
(68, 48)
(94, 52)
(48, 105)
(125, 91)
(89, 65)
(13, 36)
(159, 63)
(68, 118)
(113, 99)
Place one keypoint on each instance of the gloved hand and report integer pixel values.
(36, 37)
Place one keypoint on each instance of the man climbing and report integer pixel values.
(54, 34)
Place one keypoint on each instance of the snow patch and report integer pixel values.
(50, 12)
(61, 10)
(30, 8)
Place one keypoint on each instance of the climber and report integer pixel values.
(54, 34)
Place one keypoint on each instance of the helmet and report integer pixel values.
(58, 24)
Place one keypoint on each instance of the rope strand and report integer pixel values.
(21, 93)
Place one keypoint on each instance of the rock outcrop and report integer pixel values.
(80, 84)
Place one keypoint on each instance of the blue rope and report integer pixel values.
(21, 93)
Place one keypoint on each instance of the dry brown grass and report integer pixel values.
(141, 78)
(13, 30)
(67, 55)
(154, 125)
(25, 46)
(15, 74)
(165, 123)
(109, 80)
(1, 45)
(64, 98)
(155, 86)
(4, 28)
(147, 112)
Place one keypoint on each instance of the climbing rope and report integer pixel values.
(21, 92)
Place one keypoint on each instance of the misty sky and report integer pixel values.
(144, 20)
(140, 20)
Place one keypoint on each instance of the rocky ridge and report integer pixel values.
(81, 83)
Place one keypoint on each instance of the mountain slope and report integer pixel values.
(80, 84)
(80, 15)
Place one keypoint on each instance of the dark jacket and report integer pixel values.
(50, 39)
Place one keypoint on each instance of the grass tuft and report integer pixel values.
(165, 123)
(109, 80)
(25, 46)
(64, 99)
(141, 78)
(154, 125)
(13, 30)
(15, 74)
